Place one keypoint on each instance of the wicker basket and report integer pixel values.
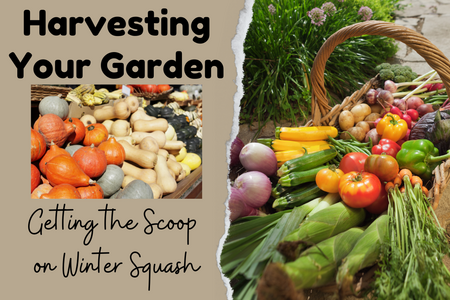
(39, 92)
(324, 114)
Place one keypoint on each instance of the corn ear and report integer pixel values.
(366, 251)
(322, 225)
(315, 267)
(326, 202)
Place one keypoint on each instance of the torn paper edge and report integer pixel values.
(237, 45)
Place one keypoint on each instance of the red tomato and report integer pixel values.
(359, 189)
(163, 87)
(328, 179)
(380, 204)
(353, 161)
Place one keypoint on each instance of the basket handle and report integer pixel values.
(432, 55)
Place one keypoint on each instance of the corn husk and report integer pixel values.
(366, 251)
(315, 267)
(324, 224)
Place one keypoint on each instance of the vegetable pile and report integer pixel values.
(123, 150)
(345, 201)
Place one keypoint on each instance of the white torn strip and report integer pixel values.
(237, 45)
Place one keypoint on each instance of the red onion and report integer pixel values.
(235, 149)
(414, 102)
(371, 97)
(235, 204)
(255, 188)
(400, 103)
(390, 86)
(249, 211)
(386, 96)
(258, 157)
(413, 114)
(424, 109)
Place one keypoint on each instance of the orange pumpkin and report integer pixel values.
(114, 151)
(54, 129)
(64, 169)
(62, 191)
(95, 134)
(40, 190)
(35, 177)
(91, 160)
(38, 145)
(36, 124)
(91, 192)
(80, 130)
(53, 151)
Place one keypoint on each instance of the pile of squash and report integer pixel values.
(117, 152)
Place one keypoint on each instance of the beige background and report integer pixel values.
(21, 250)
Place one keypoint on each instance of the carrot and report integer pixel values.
(405, 172)
(398, 181)
(416, 180)
(389, 186)
(402, 189)
(425, 190)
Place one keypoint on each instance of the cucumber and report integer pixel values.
(296, 178)
(307, 161)
(298, 198)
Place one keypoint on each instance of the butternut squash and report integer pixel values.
(140, 114)
(132, 102)
(181, 176)
(186, 168)
(105, 113)
(172, 173)
(141, 157)
(159, 124)
(174, 165)
(174, 145)
(157, 191)
(149, 144)
(129, 139)
(164, 153)
(164, 178)
(120, 128)
(146, 175)
(122, 110)
(159, 136)
(108, 124)
(88, 120)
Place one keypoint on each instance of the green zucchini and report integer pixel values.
(296, 178)
(298, 198)
(307, 161)
(280, 191)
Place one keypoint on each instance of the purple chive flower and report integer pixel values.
(329, 8)
(341, 0)
(272, 9)
(365, 12)
(317, 16)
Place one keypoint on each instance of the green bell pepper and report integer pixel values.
(420, 157)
